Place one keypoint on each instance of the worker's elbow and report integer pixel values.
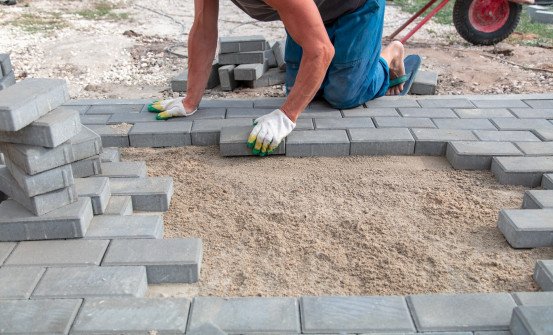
(322, 53)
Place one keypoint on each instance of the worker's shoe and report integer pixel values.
(169, 108)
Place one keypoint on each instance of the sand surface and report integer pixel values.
(339, 226)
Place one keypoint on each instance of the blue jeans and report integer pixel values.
(357, 73)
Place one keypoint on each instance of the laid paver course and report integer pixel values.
(5, 250)
(355, 315)
(499, 103)
(132, 316)
(433, 142)
(533, 113)
(19, 282)
(343, 123)
(467, 124)
(269, 103)
(114, 108)
(400, 122)
(390, 141)
(119, 205)
(521, 124)
(506, 136)
(532, 320)
(97, 190)
(124, 169)
(252, 113)
(527, 228)
(110, 155)
(526, 171)
(477, 155)
(539, 103)
(536, 199)
(87, 167)
(370, 112)
(202, 113)
(395, 103)
(128, 226)
(543, 274)
(536, 148)
(226, 103)
(206, 132)
(130, 118)
(161, 134)
(233, 142)
(151, 194)
(321, 113)
(251, 315)
(318, 143)
(533, 298)
(166, 261)
(428, 112)
(111, 136)
(479, 113)
(447, 103)
(92, 282)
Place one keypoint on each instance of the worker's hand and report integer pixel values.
(169, 108)
(269, 131)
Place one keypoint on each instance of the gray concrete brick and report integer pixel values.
(304, 124)
(521, 124)
(269, 103)
(536, 148)
(425, 83)
(526, 171)
(58, 253)
(5, 64)
(393, 102)
(370, 112)
(131, 118)
(207, 329)
(320, 114)
(527, 228)
(533, 298)
(480, 113)
(355, 315)
(461, 312)
(390, 141)
(537, 199)
(111, 135)
(207, 132)
(434, 141)
(7, 81)
(81, 109)
(160, 134)
(128, 226)
(226, 103)
(202, 113)
(95, 189)
(38, 316)
(234, 142)
(5, 250)
(544, 134)
(179, 83)
(499, 103)
(232, 44)
(428, 112)
(18, 224)
(132, 316)
(467, 124)
(151, 194)
(104, 102)
(28, 100)
(540, 103)
(547, 181)
(92, 282)
(19, 282)
(532, 320)
(249, 57)
(110, 155)
(343, 123)
(318, 143)
(320, 105)
(477, 155)
(249, 315)
(506, 136)
(447, 103)
(124, 170)
(272, 77)
(226, 77)
(119, 205)
(250, 71)
(543, 274)
(99, 119)
(401, 122)
(87, 167)
(252, 113)
(533, 113)
(278, 50)
(499, 332)
(113, 109)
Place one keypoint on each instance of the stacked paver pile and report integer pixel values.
(7, 76)
(250, 61)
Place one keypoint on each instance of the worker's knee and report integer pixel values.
(342, 96)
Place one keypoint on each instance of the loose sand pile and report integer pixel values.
(339, 226)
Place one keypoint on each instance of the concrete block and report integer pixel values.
(304, 124)
(110, 155)
(252, 315)
(226, 77)
(50, 130)
(81, 109)
(539, 103)
(467, 124)
(533, 113)
(544, 134)
(537, 199)
(425, 83)
(161, 134)
(112, 136)
(527, 228)
(428, 112)
(202, 113)
(370, 112)
(18, 224)
(506, 136)
(434, 141)
(536, 148)
(533, 298)
(52, 316)
(481, 113)
(269, 103)
(355, 315)
(403, 122)
(95, 189)
(543, 274)
(278, 49)
(18, 282)
(104, 102)
(99, 119)
(547, 182)
(250, 57)
(226, 103)
(92, 282)
(151, 194)
(128, 226)
(533, 320)
(87, 167)
(318, 143)
(5, 64)
(113, 109)
(58, 253)
(272, 77)
(521, 124)
(477, 155)
(28, 100)
(343, 123)
(445, 103)
(250, 71)
(207, 329)
(179, 83)
(251, 113)
(232, 44)
(5, 250)
(132, 316)
(461, 312)
(132, 118)
(392, 141)
(207, 132)
(124, 170)
(394, 102)
(7, 81)
(321, 114)
(499, 103)
(234, 142)
(526, 171)
(119, 205)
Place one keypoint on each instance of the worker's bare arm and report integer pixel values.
(202, 44)
(303, 22)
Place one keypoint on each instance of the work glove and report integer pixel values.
(169, 108)
(269, 131)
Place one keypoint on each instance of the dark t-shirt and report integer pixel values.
(330, 9)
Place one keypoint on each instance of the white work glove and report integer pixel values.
(169, 108)
(269, 131)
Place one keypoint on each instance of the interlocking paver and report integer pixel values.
(447, 103)
(131, 118)
(461, 312)
(543, 274)
(18, 282)
(526, 171)
(273, 76)
(499, 103)
(547, 181)
(479, 113)
(320, 114)
(113, 109)
(527, 228)
(251, 113)
(18, 224)
(533, 298)
(506, 136)
(119, 205)
(207, 329)
(96, 119)
(249, 57)
(110, 155)
(467, 124)
(111, 135)
(393, 102)
(304, 124)
(128, 226)
(132, 316)
(5, 250)
(88, 167)
(92, 281)
(166, 261)
(535, 320)
(355, 315)
(250, 71)
(343, 123)
(201, 113)
(425, 83)
(226, 103)
(536, 148)
(434, 141)
(533, 113)
(97, 190)
(391, 141)
(521, 124)
(152, 194)
(232, 44)
(124, 170)
(318, 143)
(207, 132)
(428, 112)
(477, 155)
(226, 77)
(160, 134)
(234, 142)
(370, 112)
(540, 103)
(401, 122)
(246, 315)
(267, 103)
(536, 199)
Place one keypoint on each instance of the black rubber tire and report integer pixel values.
(474, 36)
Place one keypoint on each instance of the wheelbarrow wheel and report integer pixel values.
(485, 22)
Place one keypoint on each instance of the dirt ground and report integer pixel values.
(340, 226)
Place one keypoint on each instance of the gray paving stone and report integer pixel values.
(160, 134)
(110, 155)
(250, 71)
(7, 81)
(103, 102)
(5, 250)
(447, 103)
(304, 124)
(226, 77)
(370, 112)
(234, 142)
(249, 57)
(401, 122)
(355, 314)
(428, 112)
(533, 113)
(393, 102)
(320, 114)
(526, 171)
(52, 316)
(113, 109)
(18, 224)
(226, 103)
(124, 170)
(540, 103)
(320, 105)
(92, 282)
(272, 103)
(207, 329)
(111, 136)
(151, 194)
(207, 132)
(131, 118)
(434, 141)
(343, 123)
(81, 109)
(19, 282)
(499, 103)
(547, 181)
(5, 64)
(467, 124)
(58, 253)
(95, 189)
(246, 315)
(506, 136)
(87, 167)
(166, 261)
(390, 141)
(543, 274)
(477, 155)
(521, 124)
(536, 148)
(500, 332)
(28, 100)
(527, 228)
(532, 320)
(425, 83)
(278, 50)
(98, 119)
(132, 316)
(202, 113)
(461, 312)
(537, 199)
(533, 298)
(128, 226)
(544, 134)
(480, 113)
(318, 143)
(272, 77)
(179, 83)
(119, 205)
(232, 44)
(252, 113)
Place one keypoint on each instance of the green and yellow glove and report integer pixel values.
(169, 108)
(269, 131)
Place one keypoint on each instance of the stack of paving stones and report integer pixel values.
(7, 76)
(249, 61)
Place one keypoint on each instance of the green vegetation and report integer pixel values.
(44, 22)
(102, 10)
(412, 6)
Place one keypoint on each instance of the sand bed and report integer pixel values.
(341, 226)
